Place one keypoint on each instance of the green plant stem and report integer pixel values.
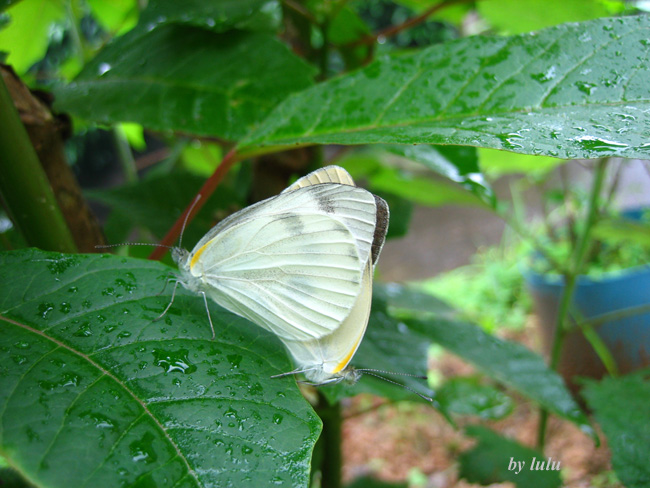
(125, 155)
(75, 34)
(570, 280)
(600, 348)
(332, 462)
(24, 187)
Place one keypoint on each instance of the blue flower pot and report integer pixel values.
(627, 338)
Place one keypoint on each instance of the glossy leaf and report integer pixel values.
(621, 408)
(494, 459)
(571, 91)
(216, 15)
(458, 163)
(186, 79)
(374, 166)
(508, 362)
(94, 390)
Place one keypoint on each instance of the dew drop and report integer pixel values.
(44, 309)
(173, 361)
(103, 68)
(142, 449)
(235, 360)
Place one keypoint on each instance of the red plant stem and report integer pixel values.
(407, 24)
(194, 206)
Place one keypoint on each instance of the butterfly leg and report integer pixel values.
(207, 310)
(170, 302)
(169, 278)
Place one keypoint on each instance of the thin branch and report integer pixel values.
(407, 24)
(206, 190)
(301, 10)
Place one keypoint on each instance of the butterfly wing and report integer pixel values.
(326, 357)
(328, 174)
(293, 265)
(355, 207)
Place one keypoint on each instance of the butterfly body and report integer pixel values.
(299, 265)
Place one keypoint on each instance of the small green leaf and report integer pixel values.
(186, 79)
(27, 36)
(93, 388)
(621, 408)
(622, 231)
(572, 91)
(496, 163)
(467, 396)
(514, 16)
(494, 459)
(115, 15)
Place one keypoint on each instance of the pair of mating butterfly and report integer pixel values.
(300, 265)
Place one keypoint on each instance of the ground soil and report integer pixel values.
(412, 441)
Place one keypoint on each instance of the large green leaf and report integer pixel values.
(621, 408)
(188, 79)
(571, 91)
(92, 389)
(508, 362)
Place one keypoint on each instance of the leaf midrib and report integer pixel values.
(289, 138)
(105, 372)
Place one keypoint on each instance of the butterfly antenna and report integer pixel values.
(394, 373)
(187, 216)
(106, 246)
(424, 397)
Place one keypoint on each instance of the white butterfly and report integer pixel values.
(300, 265)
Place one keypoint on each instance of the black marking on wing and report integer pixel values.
(381, 227)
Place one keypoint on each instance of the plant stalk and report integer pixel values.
(331, 439)
(195, 205)
(24, 187)
(570, 280)
(125, 156)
